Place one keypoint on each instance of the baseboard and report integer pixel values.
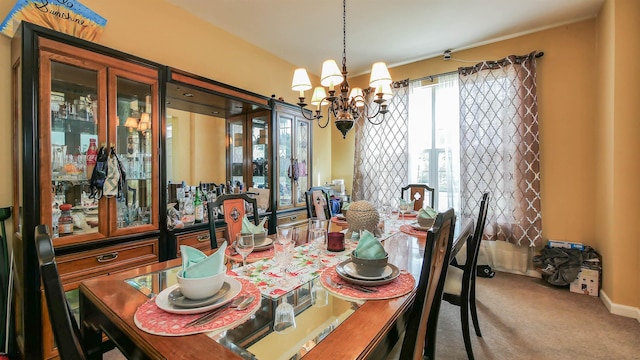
(617, 309)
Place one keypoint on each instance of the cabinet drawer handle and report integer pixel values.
(203, 238)
(107, 257)
(294, 217)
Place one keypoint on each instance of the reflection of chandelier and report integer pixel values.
(345, 108)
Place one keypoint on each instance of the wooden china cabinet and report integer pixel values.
(293, 173)
(69, 95)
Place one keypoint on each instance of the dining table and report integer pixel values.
(344, 324)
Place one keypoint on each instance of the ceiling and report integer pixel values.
(306, 32)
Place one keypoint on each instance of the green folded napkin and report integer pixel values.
(250, 228)
(405, 202)
(427, 213)
(195, 264)
(369, 247)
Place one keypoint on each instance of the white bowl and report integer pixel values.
(200, 288)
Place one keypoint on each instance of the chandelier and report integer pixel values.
(345, 108)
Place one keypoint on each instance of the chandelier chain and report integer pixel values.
(344, 34)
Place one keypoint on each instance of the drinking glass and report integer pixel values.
(244, 247)
(282, 256)
(285, 234)
(285, 319)
(319, 294)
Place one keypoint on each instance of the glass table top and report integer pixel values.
(255, 338)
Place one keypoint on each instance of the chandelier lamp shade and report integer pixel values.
(344, 107)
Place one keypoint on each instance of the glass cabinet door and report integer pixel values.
(285, 133)
(132, 134)
(260, 151)
(302, 155)
(236, 152)
(69, 113)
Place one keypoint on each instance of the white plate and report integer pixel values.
(264, 245)
(350, 269)
(162, 300)
(178, 300)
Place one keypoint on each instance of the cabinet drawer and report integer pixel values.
(292, 218)
(299, 221)
(199, 240)
(107, 260)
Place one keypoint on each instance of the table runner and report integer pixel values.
(151, 319)
(267, 275)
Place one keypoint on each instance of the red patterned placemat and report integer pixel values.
(402, 285)
(408, 229)
(151, 319)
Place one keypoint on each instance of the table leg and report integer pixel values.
(91, 334)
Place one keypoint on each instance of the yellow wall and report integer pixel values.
(619, 168)
(6, 181)
(198, 148)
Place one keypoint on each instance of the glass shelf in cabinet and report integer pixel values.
(74, 125)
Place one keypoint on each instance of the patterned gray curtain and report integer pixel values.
(500, 147)
(381, 151)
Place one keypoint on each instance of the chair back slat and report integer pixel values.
(417, 193)
(422, 325)
(473, 247)
(65, 328)
(233, 207)
(318, 203)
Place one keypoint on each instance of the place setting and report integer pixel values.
(205, 298)
(367, 274)
(424, 220)
(262, 243)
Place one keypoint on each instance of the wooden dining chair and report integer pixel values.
(318, 203)
(233, 210)
(460, 285)
(420, 335)
(417, 193)
(65, 329)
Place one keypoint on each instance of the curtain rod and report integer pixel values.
(430, 77)
(538, 55)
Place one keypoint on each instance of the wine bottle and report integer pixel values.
(198, 206)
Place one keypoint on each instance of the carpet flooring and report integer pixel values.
(525, 318)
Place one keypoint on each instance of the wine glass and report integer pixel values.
(404, 207)
(244, 247)
(318, 236)
(285, 319)
(285, 234)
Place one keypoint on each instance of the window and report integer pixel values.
(434, 140)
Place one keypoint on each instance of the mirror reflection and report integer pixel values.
(214, 145)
